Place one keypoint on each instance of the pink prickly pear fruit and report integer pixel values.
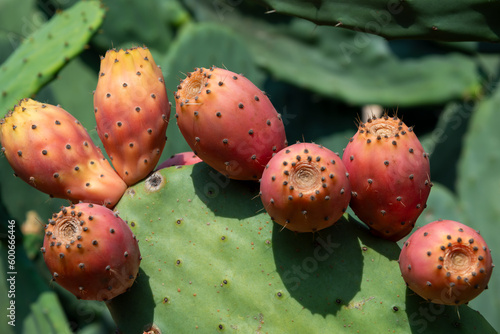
(180, 159)
(228, 122)
(390, 176)
(50, 150)
(91, 252)
(132, 111)
(305, 187)
(446, 262)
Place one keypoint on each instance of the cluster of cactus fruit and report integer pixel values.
(231, 125)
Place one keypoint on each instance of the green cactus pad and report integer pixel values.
(355, 67)
(470, 20)
(42, 54)
(478, 188)
(136, 23)
(213, 261)
(13, 28)
(442, 204)
(445, 142)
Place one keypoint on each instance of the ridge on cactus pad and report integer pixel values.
(228, 122)
(50, 150)
(213, 261)
(132, 111)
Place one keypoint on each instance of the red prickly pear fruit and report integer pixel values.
(305, 187)
(390, 176)
(50, 150)
(91, 252)
(180, 159)
(446, 262)
(228, 122)
(132, 111)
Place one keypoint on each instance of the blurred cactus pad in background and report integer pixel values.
(213, 260)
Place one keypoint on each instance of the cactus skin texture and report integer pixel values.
(180, 159)
(390, 176)
(305, 187)
(91, 252)
(132, 111)
(211, 254)
(50, 150)
(446, 262)
(228, 122)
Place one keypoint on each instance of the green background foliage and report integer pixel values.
(319, 77)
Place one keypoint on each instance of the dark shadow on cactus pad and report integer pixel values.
(426, 317)
(322, 272)
(212, 188)
(137, 303)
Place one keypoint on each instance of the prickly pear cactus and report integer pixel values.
(213, 256)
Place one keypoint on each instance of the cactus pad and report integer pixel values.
(42, 54)
(214, 261)
(402, 19)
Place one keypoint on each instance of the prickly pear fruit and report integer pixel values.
(228, 122)
(390, 176)
(132, 111)
(180, 159)
(446, 262)
(50, 150)
(91, 252)
(305, 187)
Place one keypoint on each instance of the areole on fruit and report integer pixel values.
(460, 260)
(381, 129)
(193, 84)
(305, 177)
(67, 229)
